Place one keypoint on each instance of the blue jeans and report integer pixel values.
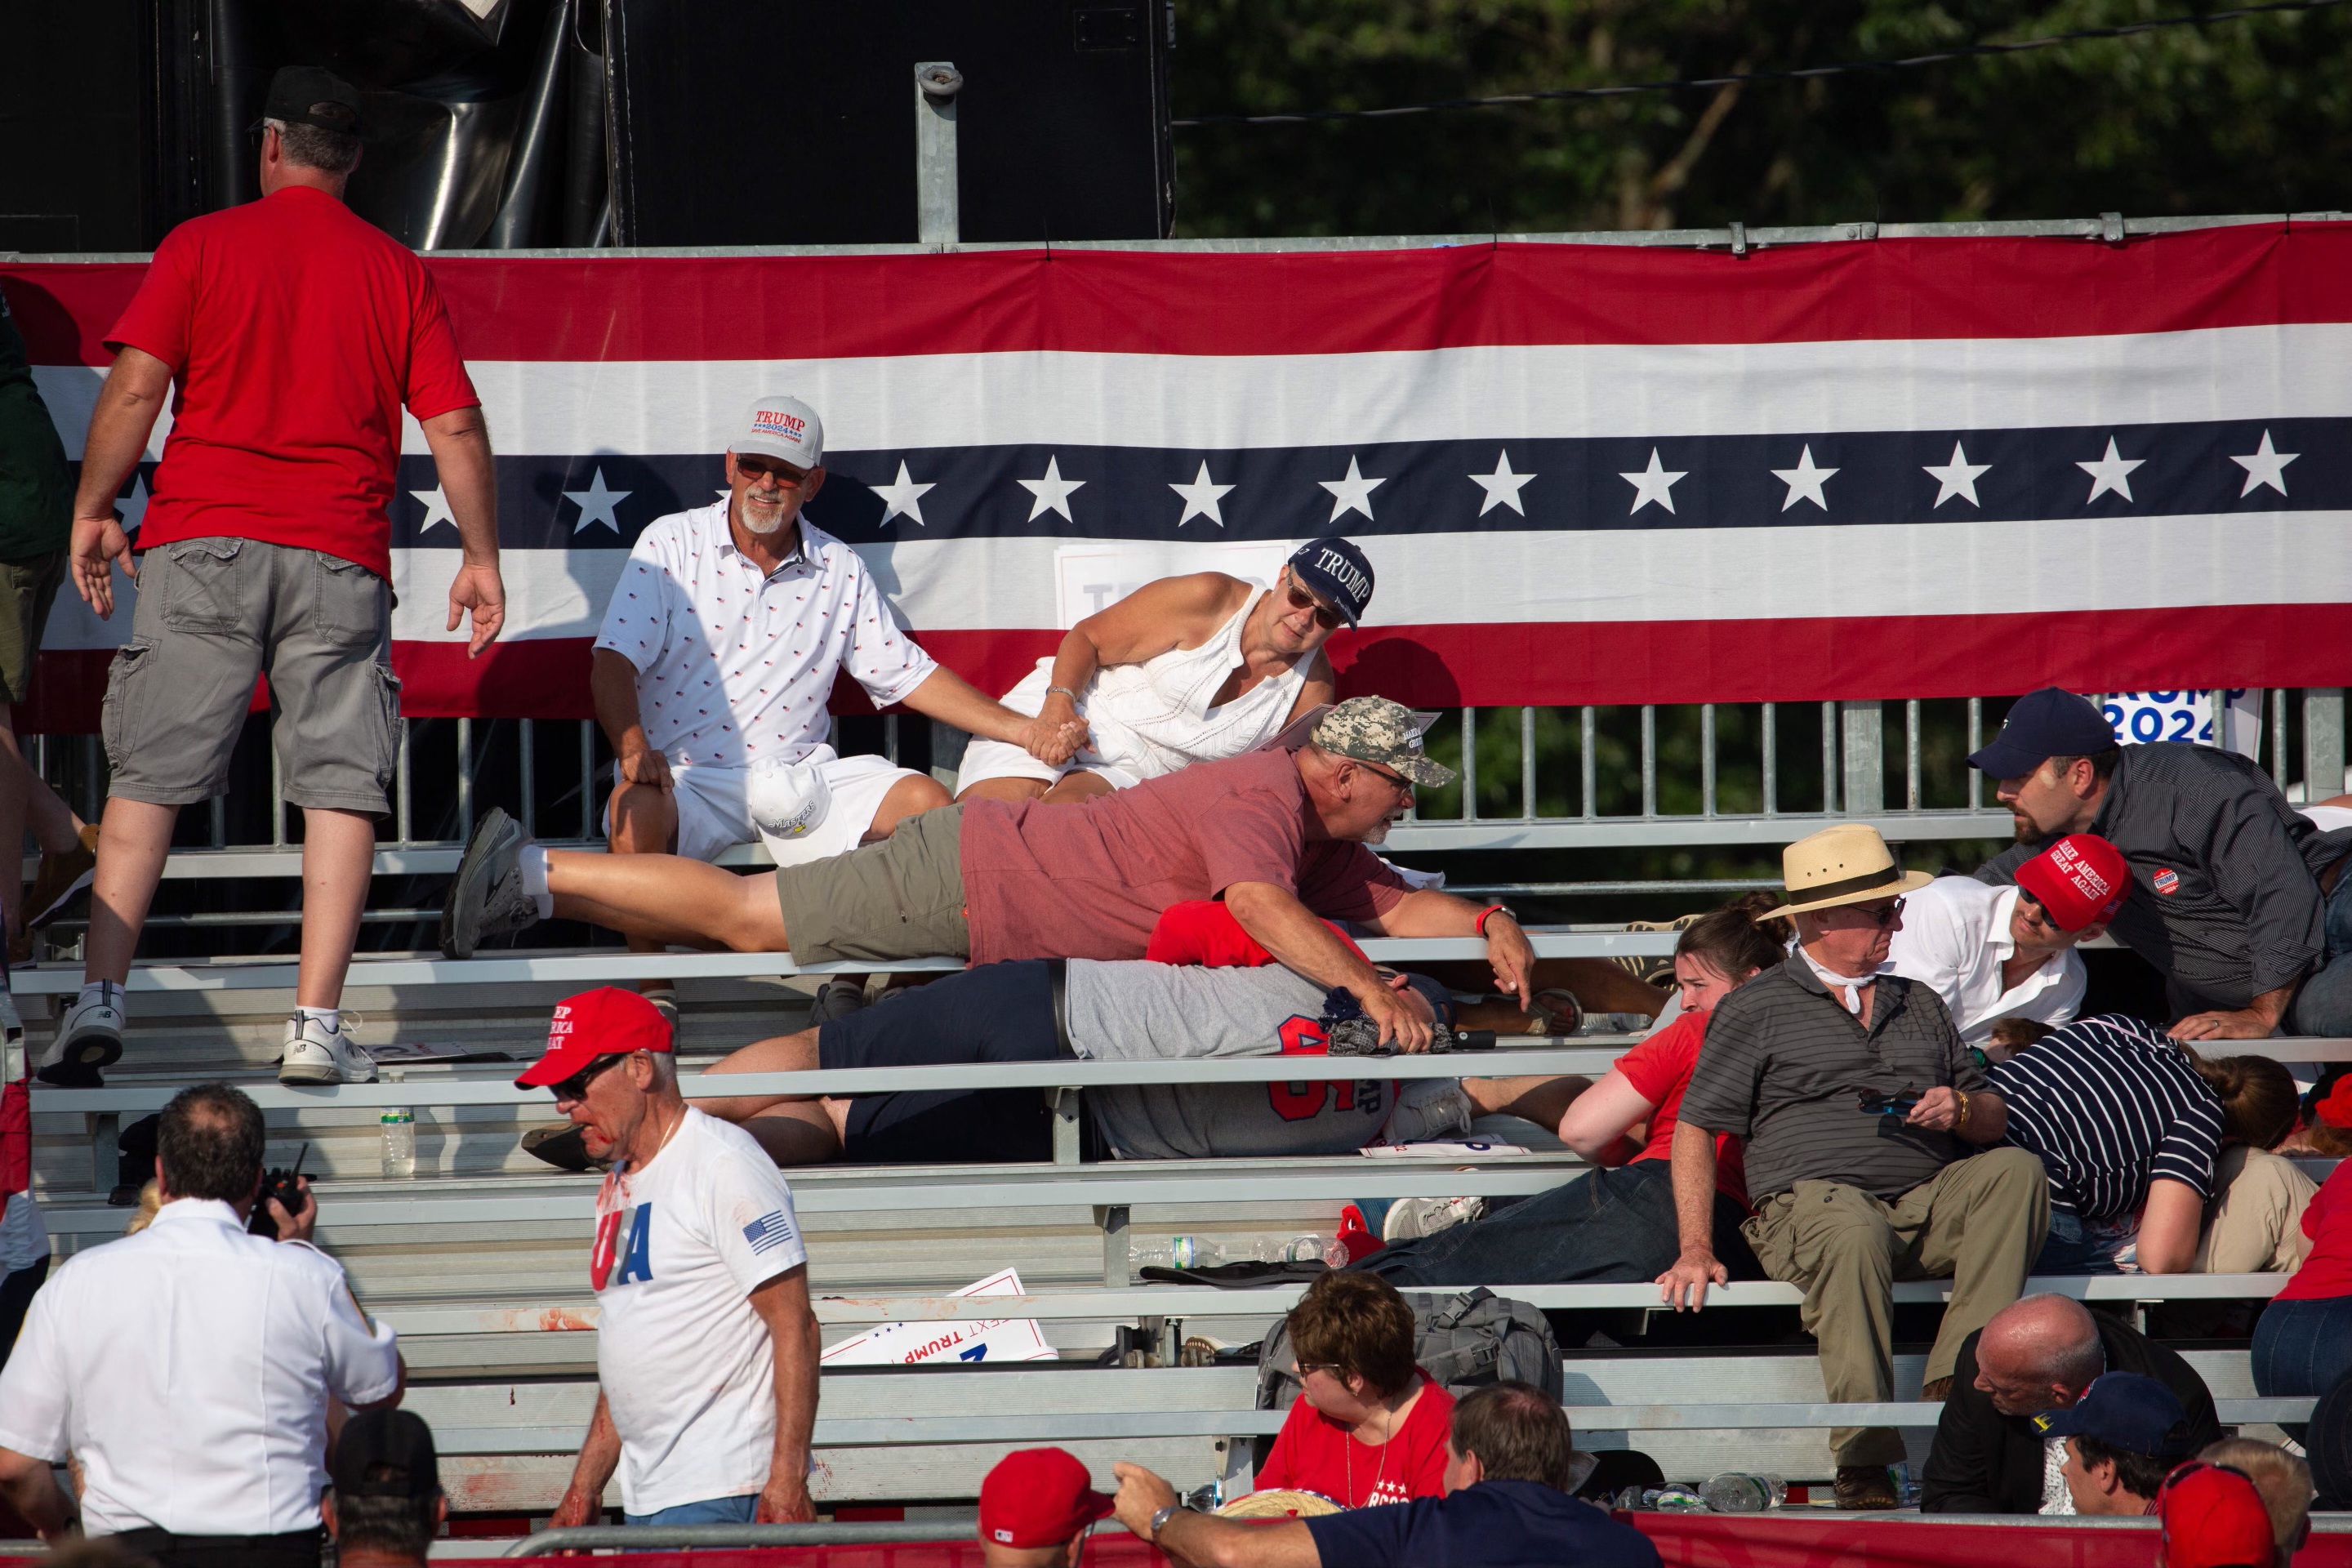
(2324, 1005)
(2302, 1347)
(1609, 1226)
(2071, 1249)
(710, 1511)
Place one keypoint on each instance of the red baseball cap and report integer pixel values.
(2335, 1109)
(2081, 879)
(605, 1022)
(2212, 1517)
(1039, 1497)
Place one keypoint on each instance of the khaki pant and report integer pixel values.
(2254, 1223)
(1979, 1223)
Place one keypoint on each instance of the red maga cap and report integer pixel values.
(2081, 879)
(2213, 1517)
(1039, 1497)
(2335, 1109)
(605, 1022)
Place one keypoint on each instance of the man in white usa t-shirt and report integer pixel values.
(706, 1347)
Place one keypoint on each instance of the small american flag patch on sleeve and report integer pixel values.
(770, 1229)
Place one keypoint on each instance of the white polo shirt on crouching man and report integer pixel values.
(1954, 940)
(188, 1369)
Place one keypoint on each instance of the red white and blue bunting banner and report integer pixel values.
(1888, 469)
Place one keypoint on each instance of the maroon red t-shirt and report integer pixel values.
(1089, 880)
(296, 331)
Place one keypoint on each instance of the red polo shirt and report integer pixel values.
(296, 331)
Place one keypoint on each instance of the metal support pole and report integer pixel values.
(1469, 764)
(1069, 1105)
(936, 85)
(1911, 754)
(1649, 759)
(1588, 772)
(1116, 1256)
(1976, 744)
(1864, 732)
(2322, 743)
(1829, 759)
(1706, 758)
(1771, 759)
(2278, 737)
(1527, 762)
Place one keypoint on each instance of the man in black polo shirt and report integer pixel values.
(1858, 1103)
(2238, 899)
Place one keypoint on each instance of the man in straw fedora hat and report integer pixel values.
(1859, 1105)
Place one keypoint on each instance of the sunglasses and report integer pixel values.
(576, 1086)
(757, 468)
(1881, 919)
(1332, 1367)
(1326, 617)
(1888, 1104)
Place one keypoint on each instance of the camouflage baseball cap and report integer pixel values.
(1376, 730)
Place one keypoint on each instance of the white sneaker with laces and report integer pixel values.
(88, 1036)
(315, 1054)
(1411, 1217)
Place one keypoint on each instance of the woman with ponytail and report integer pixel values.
(1616, 1224)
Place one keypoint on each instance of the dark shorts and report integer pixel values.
(996, 1012)
(27, 588)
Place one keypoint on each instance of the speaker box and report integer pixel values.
(793, 122)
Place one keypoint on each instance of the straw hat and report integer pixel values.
(1848, 864)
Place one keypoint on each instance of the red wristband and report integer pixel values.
(1490, 909)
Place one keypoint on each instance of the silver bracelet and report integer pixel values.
(1064, 690)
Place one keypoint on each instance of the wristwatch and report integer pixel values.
(1159, 1518)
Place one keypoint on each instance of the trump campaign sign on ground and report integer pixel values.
(1888, 467)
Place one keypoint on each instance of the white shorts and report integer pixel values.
(712, 815)
(985, 758)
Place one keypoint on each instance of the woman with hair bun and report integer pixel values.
(1616, 1224)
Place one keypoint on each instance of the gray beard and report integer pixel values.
(750, 518)
(1380, 834)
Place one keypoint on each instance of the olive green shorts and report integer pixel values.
(28, 589)
(902, 897)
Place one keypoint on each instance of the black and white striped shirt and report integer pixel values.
(2110, 1104)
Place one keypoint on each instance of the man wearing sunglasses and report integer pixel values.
(718, 656)
(1858, 1103)
(1182, 670)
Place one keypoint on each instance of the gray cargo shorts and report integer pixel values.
(215, 612)
(902, 897)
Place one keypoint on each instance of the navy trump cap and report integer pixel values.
(2123, 1410)
(2040, 725)
(1337, 570)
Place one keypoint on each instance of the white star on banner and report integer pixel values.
(2112, 472)
(1957, 478)
(1353, 493)
(1655, 483)
(1052, 491)
(134, 507)
(437, 508)
(1201, 498)
(596, 503)
(1804, 481)
(2265, 467)
(904, 495)
(1502, 486)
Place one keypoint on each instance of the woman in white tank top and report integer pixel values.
(1182, 670)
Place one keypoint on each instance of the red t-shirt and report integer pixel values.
(295, 330)
(2327, 1270)
(1312, 1453)
(1090, 880)
(1659, 1069)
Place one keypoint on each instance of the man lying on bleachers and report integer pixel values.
(1279, 835)
(2240, 900)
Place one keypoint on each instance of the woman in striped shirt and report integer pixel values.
(2131, 1126)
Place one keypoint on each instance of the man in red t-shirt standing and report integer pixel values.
(296, 332)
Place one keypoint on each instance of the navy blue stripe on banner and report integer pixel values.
(605, 500)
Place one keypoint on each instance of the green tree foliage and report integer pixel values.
(2252, 115)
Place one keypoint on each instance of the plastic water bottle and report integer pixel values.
(1735, 1491)
(399, 1125)
(1312, 1249)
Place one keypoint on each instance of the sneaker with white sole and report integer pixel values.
(315, 1054)
(485, 897)
(90, 1036)
(1410, 1217)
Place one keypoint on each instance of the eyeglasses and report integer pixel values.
(576, 1086)
(1403, 786)
(758, 468)
(1331, 1367)
(1301, 599)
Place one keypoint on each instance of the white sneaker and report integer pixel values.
(1411, 1217)
(315, 1054)
(88, 1036)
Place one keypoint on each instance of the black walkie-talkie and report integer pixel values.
(285, 1187)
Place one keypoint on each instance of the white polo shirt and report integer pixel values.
(188, 1369)
(736, 665)
(1955, 938)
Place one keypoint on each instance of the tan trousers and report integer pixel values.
(2254, 1223)
(1979, 1223)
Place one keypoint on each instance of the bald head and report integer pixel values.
(2039, 1353)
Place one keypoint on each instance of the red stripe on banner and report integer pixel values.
(612, 309)
(1506, 664)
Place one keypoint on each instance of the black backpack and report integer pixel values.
(1463, 1342)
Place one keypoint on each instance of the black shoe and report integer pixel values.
(486, 898)
(562, 1144)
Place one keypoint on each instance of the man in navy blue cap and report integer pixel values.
(2239, 900)
(1184, 669)
(2121, 1437)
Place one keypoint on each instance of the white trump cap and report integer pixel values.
(782, 427)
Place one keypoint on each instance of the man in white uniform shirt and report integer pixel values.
(188, 1367)
(706, 1347)
(1992, 953)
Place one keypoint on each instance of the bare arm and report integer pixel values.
(124, 417)
(1159, 615)
(1685, 1285)
(30, 1488)
(1204, 1541)
(600, 1456)
(782, 1304)
(1939, 1109)
(613, 687)
(1597, 1121)
(1431, 911)
(1301, 942)
(2170, 1228)
(461, 440)
(951, 700)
